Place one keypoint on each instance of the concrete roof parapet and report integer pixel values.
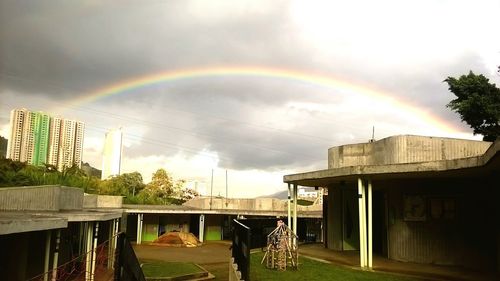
(403, 149)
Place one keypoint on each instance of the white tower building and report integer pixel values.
(112, 153)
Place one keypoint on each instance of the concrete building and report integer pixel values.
(70, 144)
(112, 154)
(37, 138)
(412, 199)
(50, 231)
(44, 229)
(210, 219)
(29, 136)
(17, 133)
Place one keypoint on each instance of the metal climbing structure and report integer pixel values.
(282, 249)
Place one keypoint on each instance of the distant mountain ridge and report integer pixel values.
(279, 195)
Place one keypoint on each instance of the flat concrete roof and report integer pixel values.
(90, 215)
(159, 209)
(26, 221)
(16, 222)
(471, 166)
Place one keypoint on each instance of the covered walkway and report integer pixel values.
(420, 271)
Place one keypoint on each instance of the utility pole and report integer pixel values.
(226, 189)
(211, 188)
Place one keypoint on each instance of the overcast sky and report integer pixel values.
(258, 128)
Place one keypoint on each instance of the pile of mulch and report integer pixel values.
(177, 239)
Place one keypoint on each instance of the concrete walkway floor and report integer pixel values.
(419, 271)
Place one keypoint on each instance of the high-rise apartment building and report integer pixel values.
(112, 153)
(15, 144)
(37, 138)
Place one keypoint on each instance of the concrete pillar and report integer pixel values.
(94, 250)
(47, 255)
(117, 230)
(202, 227)
(295, 211)
(370, 234)
(362, 247)
(289, 206)
(139, 228)
(88, 251)
(56, 255)
(110, 242)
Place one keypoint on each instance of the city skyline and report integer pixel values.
(38, 139)
(258, 88)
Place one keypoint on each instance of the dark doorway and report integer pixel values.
(194, 225)
(379, 223)
(132, 227)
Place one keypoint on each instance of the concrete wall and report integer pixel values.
(70, 198)
(257, 204)
(40, 198)
(468, 240)
(213, 227)
(94, 201)
(179, 222)
(150, 227)
(107, 201)
(90, 201)
(234, 274)
(404, 149)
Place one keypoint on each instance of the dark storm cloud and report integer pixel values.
(61, 47)
(224, 115)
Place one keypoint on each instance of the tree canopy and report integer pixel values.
(161, 190)
(477, 102)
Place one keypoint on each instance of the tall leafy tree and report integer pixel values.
(162, 189)
(126, 184)
(477, 102)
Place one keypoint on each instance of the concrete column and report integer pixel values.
(362, 247)
(47, 255)
(139, 228)
(370, 230)
(110, 242)
(289, 206)
(117, 230)
(202, 227)
(295, 211)
(94, 251)
(88, 251)
(56, 256)
(365, 219)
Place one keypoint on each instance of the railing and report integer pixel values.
(127, 267)
(105, 263)
(241, 248)
(79, 268)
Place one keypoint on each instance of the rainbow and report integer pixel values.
(263, 72)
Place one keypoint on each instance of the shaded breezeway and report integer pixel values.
(420, 271)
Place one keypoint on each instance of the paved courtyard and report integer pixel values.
(213, 256)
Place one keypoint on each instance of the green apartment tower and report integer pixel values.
(40, 123)
(37, 138)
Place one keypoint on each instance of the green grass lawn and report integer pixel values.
(168, 269)
(314, 270)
